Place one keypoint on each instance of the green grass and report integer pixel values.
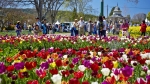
(13, 32)
(24, 32)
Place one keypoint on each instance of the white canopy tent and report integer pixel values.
(57, 22)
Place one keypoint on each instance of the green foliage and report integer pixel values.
(74, 14)
(111, 12)
(10, 27)
(148, 16)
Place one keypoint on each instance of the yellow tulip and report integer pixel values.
(3, 41)
(16, 61)
(115, 64)
(23, 70)
(53, 65)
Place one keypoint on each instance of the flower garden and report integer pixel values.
(57, 59)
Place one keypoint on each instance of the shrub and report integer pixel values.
(10, 27)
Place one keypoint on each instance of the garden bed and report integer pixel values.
(59, 59)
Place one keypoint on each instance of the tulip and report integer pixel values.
(74, 81)
(44, 65)
(147, 62)
(148, 72)
(81, 68)
(19, 66)
(56, 79)
(127, 71)
(85, 82)
(53, 64)
(105, 71)
(115, 63)
(94, 82)
(140, 81)
(41, 72)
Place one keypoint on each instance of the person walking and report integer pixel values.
(44, 27)
(105, 26)
(100, 26)
(76, 27)
(90, 27)
(125, 27)
(143, 28)
(81, 27)
(95, 28)
(18, 28)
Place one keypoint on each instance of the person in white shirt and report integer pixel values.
(90, 27)
(105, 27)
(81, 27)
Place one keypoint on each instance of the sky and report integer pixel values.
(127, 8)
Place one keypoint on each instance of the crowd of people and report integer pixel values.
(100, 27)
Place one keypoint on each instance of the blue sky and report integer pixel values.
(127, 8)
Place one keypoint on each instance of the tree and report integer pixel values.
(43, 7)
(148, 16)
(82, 6)
(74, 14)
(139, 17)
(111, 12)
(128, 17)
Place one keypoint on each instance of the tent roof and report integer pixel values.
(57, 22)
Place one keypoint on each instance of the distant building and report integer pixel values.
(117, 15)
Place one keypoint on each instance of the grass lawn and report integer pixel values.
(24, 32)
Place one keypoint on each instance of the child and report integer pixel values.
(143, 28)
(36, 30)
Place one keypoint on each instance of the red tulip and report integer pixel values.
(30, 65)
(65, 73)
(21, 75)
(48, 82)
(94, 67)
(53, 71)
(85, 82)
(78, 74)
(71, 65)
(10, 68)
(109, 64)
(74, 81)
(32, 82)
(58, 62)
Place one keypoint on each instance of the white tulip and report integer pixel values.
(56, 79)
(148, 72)
(65, 56)
(94, 83)
(132, 62)
(144, 56)
(147, 62)
(124, 56)
(148, 55)
(99, 53)
(116, 77)
(105, 71)
(91, 54)
(81, 67)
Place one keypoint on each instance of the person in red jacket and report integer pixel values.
(143, 28)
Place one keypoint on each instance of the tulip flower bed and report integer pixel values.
(59, 59)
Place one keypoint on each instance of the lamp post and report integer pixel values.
(102, 8)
